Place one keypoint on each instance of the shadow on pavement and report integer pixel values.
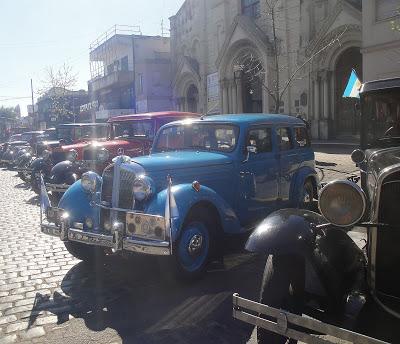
(131, 296)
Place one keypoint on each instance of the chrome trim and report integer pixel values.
(117, 241)
(119, 209)
(372, 237)
(357, 188)
(51, 230)
(294, 326)
(144, 247)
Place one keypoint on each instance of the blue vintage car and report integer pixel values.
(205, 179)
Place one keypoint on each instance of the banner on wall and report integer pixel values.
(213, 93)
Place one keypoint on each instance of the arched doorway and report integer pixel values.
(249, 75)
(346, 119)
(252, 97)
(192, 98)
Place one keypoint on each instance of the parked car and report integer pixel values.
(17, 148)
(205, 179)
(131, 135)
(68, 135)
(314, 255)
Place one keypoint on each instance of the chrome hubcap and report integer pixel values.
(195, 244)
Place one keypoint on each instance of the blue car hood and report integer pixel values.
(181, 160)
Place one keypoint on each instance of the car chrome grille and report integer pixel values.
(89, 154)
(106, 189)
(387, 252)
(125, 200)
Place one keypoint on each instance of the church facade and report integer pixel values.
(303, 71)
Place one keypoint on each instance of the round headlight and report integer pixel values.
(89, 181)
(46, 154)
(143, 188)
(72, 155)
(103, 155)
(342, 203)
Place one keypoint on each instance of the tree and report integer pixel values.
(276, 85)
(56, 89)
(9, 112)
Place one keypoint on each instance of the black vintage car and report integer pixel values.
(313, 266)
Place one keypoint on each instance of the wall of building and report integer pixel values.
(381, 44)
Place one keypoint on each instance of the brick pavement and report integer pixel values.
(47, 296)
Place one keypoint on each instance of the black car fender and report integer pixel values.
(41, 165)
(286, 231)
(336, 261)
(65, 172)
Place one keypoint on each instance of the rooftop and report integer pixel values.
(253, 118)
(152, 115)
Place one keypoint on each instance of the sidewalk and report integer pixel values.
(336, 143)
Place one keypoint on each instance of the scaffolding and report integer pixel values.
(104, 49)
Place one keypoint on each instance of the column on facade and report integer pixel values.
(316, 97)
(239, 95)
(183, 102)
(326, 79)
(232, 88)
(225, 97)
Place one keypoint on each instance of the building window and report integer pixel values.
(386, 9)
(251, 8)
(140, 86)
(124, 63)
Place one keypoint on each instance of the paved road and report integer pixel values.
(47, 296)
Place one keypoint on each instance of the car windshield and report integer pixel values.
(134, 129)
(381, 118)
(82, 132)
(17, 137)
(26, 137)
(198, 136)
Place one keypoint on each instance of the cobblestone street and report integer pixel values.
(47, 296)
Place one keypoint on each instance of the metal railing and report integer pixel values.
(287, 324)
(115, 30)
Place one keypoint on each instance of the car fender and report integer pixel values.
(79, 204)
(336, 261)
(186, 197)
(296, 187)
(38, 165)
(65, 172)
(24, 160)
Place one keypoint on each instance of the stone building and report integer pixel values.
(130, 73)
(208, 37)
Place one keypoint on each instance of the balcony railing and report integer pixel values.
(117, 78)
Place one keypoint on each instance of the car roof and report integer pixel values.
(33, 132)
(380, 85)
(151, 115)
(252, 119)
(81, 124)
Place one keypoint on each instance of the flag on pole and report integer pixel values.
(44, 197)
(353, 86)
(171, 209)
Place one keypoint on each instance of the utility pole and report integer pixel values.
(33, 104)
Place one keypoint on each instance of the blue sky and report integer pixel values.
(35, 34)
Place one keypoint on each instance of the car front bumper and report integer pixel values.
(117, 241)
(60, 188)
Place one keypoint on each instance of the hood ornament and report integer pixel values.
(120, 151)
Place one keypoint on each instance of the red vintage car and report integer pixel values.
(130, 135)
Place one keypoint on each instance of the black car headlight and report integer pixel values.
(342, 203)
(72, 155)
(103, 155)
(143, 188)
(89, 181)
